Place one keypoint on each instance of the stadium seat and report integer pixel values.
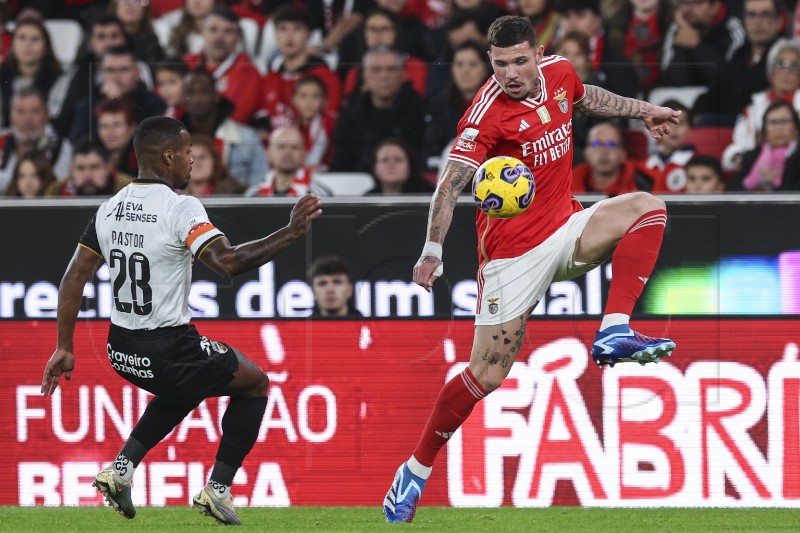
(637, 144)
(342, 183)
(710, 140)
(685, 95)
(66, 36)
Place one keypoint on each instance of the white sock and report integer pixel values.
(220, 491)
(614, 319)
(123, 467)
(418, 469)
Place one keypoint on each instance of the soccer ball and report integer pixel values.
(503, 187)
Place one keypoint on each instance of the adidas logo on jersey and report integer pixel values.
(523, 125)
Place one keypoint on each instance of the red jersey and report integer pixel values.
(238, 80)
(538, 131)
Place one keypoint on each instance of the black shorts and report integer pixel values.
(175, 361)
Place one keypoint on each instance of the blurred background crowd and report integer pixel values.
(363, 97)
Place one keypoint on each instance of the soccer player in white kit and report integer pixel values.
(149, 236)
(525, 111)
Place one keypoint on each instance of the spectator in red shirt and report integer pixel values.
(224, 57)
(295, 61)
(607, 169)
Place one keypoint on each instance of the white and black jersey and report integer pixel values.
(148, 234)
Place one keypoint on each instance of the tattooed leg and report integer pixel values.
(495, 349)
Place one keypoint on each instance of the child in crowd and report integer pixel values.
(671, 153)
(310, 100)
(169, 84)
(704, 175)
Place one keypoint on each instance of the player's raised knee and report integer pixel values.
(644, 202)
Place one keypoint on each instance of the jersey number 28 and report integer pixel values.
(138, 268)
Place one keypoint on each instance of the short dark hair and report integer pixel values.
(87, 145)
(328, 265)
(292, 13)
(576, 6)
(224, 12)
(104, 19)
(172, 64)
(121, 50)
(509, 30)
(706, 161)
(314, 80)
(152, 132)
(462, 17)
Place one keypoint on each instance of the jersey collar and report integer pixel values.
(144, 181)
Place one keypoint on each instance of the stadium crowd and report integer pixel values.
(279, 93)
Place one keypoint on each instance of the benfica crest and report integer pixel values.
(561, 98)
(493, 307)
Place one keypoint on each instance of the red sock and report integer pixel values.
(633, 261)
(453, 406)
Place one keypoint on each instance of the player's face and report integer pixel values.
(517, 69)
(331, 292)
(702, 180)
(183, 161)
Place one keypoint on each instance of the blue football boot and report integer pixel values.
(400, 504)
(621, 344)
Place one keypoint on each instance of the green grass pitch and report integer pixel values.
(435, 519)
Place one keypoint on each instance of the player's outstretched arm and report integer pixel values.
(81, 268)
(454, 177)
(228, 261)
(599, 102)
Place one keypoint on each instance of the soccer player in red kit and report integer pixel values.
(525, 111)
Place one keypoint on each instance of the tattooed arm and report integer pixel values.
(454, 177)
(599, 102)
